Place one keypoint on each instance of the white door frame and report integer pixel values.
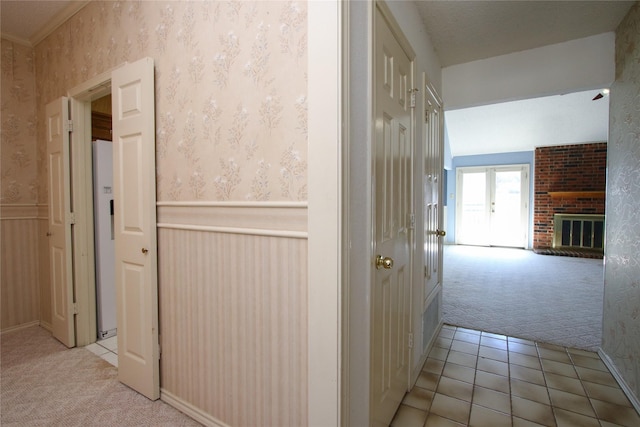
(358, 125)
(325, 210)
(82, 193)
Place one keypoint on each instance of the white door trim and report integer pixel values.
(82, 186)
(358, 128)
(324, 224)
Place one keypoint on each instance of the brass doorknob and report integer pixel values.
(384, 261)
(441, 233)
(145, 250)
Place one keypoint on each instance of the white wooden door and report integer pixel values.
(392, 192)
(433, 166)
(61, 273)
(135, 226)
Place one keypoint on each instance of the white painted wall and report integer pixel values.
(576, 65)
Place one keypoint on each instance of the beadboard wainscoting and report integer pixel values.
(20, 266)
(233, 311)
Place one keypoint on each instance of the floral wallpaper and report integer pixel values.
(231, 77)
(621, 323)
(18, 167)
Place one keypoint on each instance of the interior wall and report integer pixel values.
(230, 124)
(19, 215)
(234, 314)
(231, 134)
(621, 325)
(549, 70)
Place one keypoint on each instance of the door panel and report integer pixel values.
(433, 166)
(392, 177)
(135, 226)
(62, 309)
(474, 224)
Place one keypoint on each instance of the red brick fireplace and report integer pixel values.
(569, 179)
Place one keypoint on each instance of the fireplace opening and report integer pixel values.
(578, 231)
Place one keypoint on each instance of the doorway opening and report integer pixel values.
(134, 194)
(493, 206)
(104, 243)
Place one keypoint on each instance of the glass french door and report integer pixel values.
(493, 206)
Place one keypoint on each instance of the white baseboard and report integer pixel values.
(190, 410)
(623, 384)
(21, 326)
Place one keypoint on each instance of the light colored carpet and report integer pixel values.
(42, 383)
(552, 299)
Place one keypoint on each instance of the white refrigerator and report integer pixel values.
(104, 242)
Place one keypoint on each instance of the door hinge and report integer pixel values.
(75, 308)
(412, 221)
(71, 218)
(410, 340)
(412, 94)
(426, 115)
(69, 125)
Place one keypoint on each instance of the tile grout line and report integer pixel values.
(509, 378)
(565, 351)
(546, 384)
(586, 392)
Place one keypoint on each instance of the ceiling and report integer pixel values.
(23, 19)
(461, 31)
(523, 125)
(464, 31)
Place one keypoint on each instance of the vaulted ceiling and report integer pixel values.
(466, 31)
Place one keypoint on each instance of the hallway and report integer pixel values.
(43, 383)
(481, 379)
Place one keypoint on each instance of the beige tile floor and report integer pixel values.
(107, 349)
(474, 378)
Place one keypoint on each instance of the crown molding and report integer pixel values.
(16, 40)
(60, 18)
